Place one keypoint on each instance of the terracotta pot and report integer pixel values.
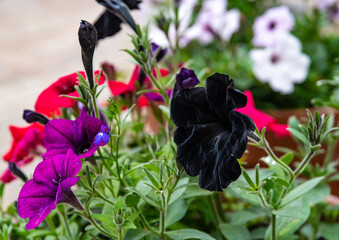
(252, 157)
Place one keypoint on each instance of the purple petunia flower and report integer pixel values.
(268, 27)
(79, 135)
(51, 183)
(185, 79)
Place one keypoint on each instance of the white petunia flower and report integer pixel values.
(213, 20)
(184, 14)
(281, 65)
(270, 25)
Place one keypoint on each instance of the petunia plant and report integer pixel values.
(165, 156)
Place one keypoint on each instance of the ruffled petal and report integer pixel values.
(190, 106)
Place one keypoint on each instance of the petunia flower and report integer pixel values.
(281, 65)
(331, 7)
(27, 143)
(185, 79)
(49, 101)
(213, 20)
(211, 136)
(261, 119)
(268, 27)
(80, 135)
(51, 183)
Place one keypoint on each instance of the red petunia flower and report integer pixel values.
(49, 101)
(261, 119)
(25, 145)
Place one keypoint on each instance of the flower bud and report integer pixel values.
(185, 79)
(32, 116)
(161, 53)
(16, 171)
(87, 39)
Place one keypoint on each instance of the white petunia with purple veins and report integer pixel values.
(269, 26)
(282, 65)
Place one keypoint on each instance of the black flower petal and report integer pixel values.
(211, 135)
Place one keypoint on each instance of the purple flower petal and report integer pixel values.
(153, 96)
(102, 138)
(78, 135)
(50, 185)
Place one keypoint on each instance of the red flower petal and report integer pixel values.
(49, 101)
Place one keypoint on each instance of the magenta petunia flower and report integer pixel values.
(51, 183)
(79, 135)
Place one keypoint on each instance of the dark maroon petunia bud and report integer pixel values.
(17, 171)
(87, 39)
(32, 116)
(109, 70)
(185, 79)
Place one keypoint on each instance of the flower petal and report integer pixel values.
(190, 106)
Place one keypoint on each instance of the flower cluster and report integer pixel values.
(281, 63)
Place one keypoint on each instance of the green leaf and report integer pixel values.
(241, 217)
(287, 158)
(152, 178)
(299, 136)
(188, 233)
(179, 192)
(149, 200)
(248, 179)
(120, 204)
(40, 233)
(318, 194)
(136, 234)
(274, 166)
(295, 209)
(329, 231)
(176, 211)
(132, 199)
(128, 113)
(300, 190)
(287, 226)
(234, 232)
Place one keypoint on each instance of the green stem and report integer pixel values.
(163, 209)
(268, 149)
(89, 218)
(214, 211)
(51, 226)
(95, 106)
(145, 222)
(303, 164)
(66, 224)
(274, 227)
(103, 198)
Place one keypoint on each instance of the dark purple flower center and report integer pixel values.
(275, 58)
(272, 25)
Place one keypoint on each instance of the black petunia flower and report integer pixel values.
(211, 136)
